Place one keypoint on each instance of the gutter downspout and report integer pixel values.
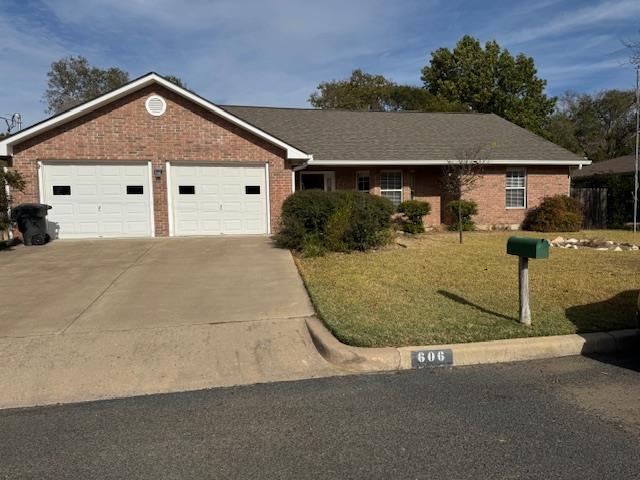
(302, 166)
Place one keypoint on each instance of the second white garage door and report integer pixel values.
(215, 200)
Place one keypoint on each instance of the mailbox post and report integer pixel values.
(526, 248)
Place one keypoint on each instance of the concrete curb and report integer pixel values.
(359, 359)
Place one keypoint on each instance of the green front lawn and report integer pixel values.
(437, 291)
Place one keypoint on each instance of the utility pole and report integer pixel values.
(635, 176)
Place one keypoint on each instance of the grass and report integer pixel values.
(436, 291)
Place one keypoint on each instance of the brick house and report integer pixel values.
(153, 159)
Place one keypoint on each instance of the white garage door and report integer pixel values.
(98, 200)
(214, 200)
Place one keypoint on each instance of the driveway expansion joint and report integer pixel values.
(106, 289)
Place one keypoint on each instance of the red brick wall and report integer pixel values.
(489, 193)
(123, 130)
(422, 181)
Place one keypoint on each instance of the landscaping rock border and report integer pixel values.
(596, 244)
(360, 359)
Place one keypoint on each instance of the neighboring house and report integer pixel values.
(606, 191)
(151, 158)
(622, 166)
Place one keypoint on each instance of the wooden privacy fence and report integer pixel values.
(594, 203)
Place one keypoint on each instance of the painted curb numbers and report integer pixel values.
(431, 358)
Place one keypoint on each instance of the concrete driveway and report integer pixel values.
(83, 320)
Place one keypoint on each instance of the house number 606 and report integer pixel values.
(431, 356)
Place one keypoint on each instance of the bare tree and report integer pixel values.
(634, 51)
(460, 176)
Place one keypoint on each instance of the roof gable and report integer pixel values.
(6, 145)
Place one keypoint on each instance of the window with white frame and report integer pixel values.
(391, 186)
(516, 188)
(363, 183)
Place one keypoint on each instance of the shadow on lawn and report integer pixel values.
(615, 313)
(464, 301)
(598, 315)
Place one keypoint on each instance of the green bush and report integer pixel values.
(559, 213)
(468, 208)
(369, 221)
(414, 210)
(314, 221)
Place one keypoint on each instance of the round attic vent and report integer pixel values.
(155, 105)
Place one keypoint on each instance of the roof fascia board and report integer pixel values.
(384, 163)
(5, 145)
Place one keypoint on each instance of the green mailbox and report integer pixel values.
(528, 247)
(525, 248)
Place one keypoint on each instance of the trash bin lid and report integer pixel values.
(30, 209)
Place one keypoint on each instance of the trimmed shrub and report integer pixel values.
(414, 210)
(469, 209)
(369, 221)
(314, 221)
(559, 213)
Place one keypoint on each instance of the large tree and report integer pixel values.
(490, 80)
(365, 91)
(72, 81)
(599, 126)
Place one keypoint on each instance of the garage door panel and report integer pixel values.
(80, 189)
(84, 170)
(135, 209)
(111, 228)
(83, 209)
(210, 225)
(110, 170)
(233, 226)
(253, 207)
(221, 204)
(97, 203)
(230, 189)
(211, 189)
(111, 190)
(87, 227)
(65, 209)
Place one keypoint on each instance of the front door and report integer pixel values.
(317, 181)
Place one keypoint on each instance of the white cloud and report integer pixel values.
(596, 15)
(275, 52)
(577, 69)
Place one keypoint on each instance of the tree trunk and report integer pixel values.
(460, 221)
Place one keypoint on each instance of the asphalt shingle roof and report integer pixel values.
(625, 164)
(397, 136)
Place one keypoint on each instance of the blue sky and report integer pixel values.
(274, 52)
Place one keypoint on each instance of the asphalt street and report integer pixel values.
(574, 418)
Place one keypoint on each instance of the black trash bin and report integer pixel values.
(32, 222)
